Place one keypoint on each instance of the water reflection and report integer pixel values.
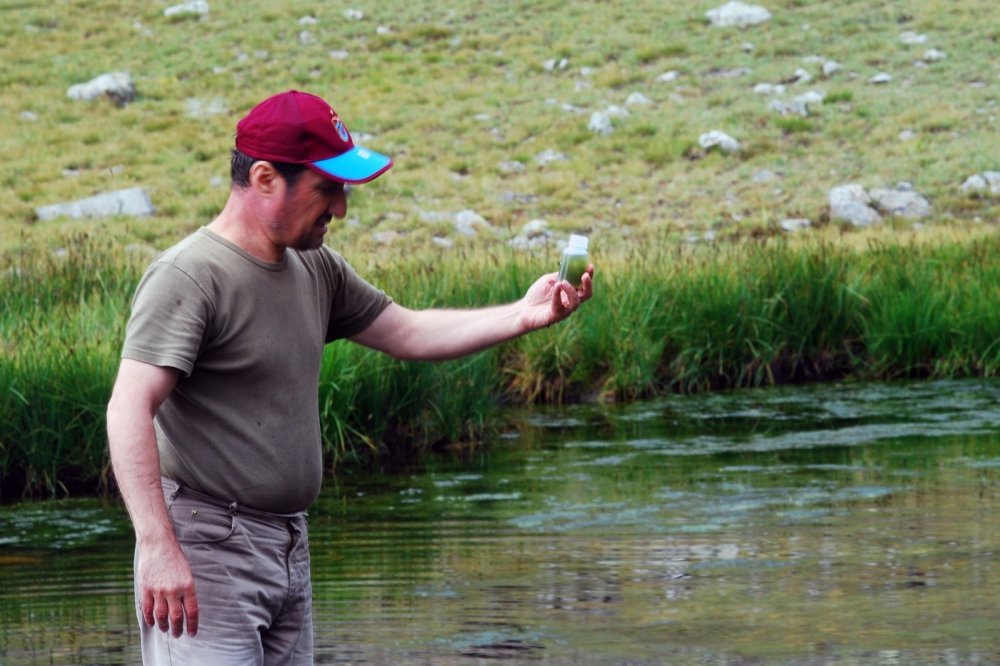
(821, 525)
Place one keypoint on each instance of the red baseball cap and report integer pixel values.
(299, 128)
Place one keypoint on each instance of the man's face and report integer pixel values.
(307, 209)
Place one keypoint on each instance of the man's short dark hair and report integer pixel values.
(239, 170)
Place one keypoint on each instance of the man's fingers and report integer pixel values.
(146, 605)
(191, 612)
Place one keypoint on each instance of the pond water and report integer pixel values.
(838, 524)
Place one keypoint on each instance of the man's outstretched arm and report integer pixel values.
(439, 334)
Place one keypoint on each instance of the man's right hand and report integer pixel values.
(166, 589)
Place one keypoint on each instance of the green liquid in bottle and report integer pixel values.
(572, 268)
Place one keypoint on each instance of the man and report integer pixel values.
(213, 423)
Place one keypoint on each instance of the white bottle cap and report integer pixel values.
(577, 242)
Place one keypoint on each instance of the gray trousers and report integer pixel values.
(252, 579)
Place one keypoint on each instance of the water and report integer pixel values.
(820, 525)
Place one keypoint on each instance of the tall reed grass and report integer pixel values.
(667, 318)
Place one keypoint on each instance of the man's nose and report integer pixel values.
(338, 202)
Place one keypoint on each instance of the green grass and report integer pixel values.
(453, 89)
(670, 318)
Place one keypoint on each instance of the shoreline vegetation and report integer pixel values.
(665, 318)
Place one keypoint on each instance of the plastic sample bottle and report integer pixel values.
(574, 260)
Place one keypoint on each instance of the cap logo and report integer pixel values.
(338, 126)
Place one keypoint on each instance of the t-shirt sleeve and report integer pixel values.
(170, 314)
(356, 303)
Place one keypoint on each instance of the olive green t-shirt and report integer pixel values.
(242, 423)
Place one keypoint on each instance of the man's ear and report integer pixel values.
(264, 178)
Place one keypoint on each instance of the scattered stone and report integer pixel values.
(912, 39)
(981, 182)
(354, 14)
(881, 78)
(133, 202)
(443, 242)
(383, 30)
(615, 111)
(117, 86)
(600, 123)
(196, 8)
(763, 176)
(667, 77)
(720, 140)
(29, 116)
(308, 20)
(792, 225)
(511, 166)
(534, 234)
(554, 64)
(339, 54)
(901, 201)
(738, 14)
(747, 47)
(468, 222)
(306, 38)
(830, 67)
(933, 55)
(769, 89)
(203, 108)
(385, 237)
(637, 99)
(907, 134)
(800, 105)
(730, 73)
(801, 76)
(850, 203)
(548, 155)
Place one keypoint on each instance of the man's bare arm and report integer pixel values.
(166, 586)
(438, 334)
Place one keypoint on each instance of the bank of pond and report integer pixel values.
(664, 318)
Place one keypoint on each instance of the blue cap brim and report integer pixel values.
(358, 165)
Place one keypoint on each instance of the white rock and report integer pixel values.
(383, 30)
(911, 38)
(811, 97)
(534, 234)
(720, 140)
(443, 242)
(769, 89)
(974, 183)
(747, 47)
(901, 201)
(907, 134)
(354, 14)
(667, 77)
(339, 54)
(203, 108)
(511, 166)
(881, 78)
(133, 202)
(29, 116)
(830, 67)
(764, 176)
(308, 20)
(615, 111)
(637, 99)
(933, 55)
(993, 180)
(738, 14)
(792, 225)
(305, 38)
(116, 85)
(850, 203)
(468, 222)
(548, 155)
(554, 64)
(802, 76)
(600, 123)
(197, 8)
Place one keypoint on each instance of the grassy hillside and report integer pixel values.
(458, 90)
